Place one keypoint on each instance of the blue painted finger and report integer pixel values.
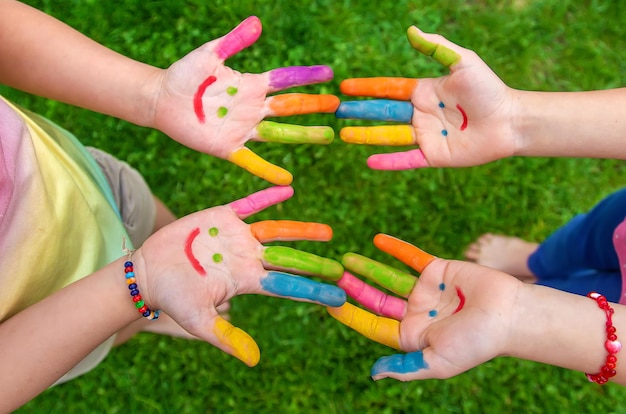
(376, 110)
(399, 364)
(297, 287)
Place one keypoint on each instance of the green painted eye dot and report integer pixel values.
(217, 257)
(213, 231)
(231, 90)
(221, 112)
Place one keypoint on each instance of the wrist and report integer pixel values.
(136, 277)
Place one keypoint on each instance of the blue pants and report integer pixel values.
(579, 257)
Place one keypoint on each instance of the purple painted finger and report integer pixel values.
(407, 160)
(283, 78)
(372, 298)
(242, 36)
(260, 200)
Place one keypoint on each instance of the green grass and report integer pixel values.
(309, 362)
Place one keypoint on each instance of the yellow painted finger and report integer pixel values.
(383, 87)
(286, 230)
(403, 251)
(377, 328)
(237, 342)
(395, 135)
(440, 53)
(256, 165)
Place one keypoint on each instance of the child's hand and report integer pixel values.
(214, 109)
(193, 265)
(455, 316)
(464, 118)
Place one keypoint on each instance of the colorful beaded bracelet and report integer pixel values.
(612, 345)
(134, 292)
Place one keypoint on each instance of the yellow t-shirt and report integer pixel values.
(58, 220)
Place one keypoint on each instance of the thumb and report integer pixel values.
(403, 367)
(233, 341)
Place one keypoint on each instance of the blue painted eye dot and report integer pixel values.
(444, 132)
(442, 286)
(442, 105)
(432, 313)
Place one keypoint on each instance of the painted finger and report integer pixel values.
(302, 289)
(285, 230)
(403, 251)
(255, 202)
(292, 260)
(242, 36)
(372, 298)
(268, 131)
(388, 277)
(384, 87)
(403, 367)
(376, 110)
(395, 135)
(256, 165)
(382, 330)
(236, 342)
(283, 78)
(437, 51)
(406, 160)
(299, 103)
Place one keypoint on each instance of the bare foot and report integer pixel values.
(504, 253)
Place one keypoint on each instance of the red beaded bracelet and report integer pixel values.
(612, 345)
(132, 286)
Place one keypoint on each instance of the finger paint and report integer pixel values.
(464, 124)
(399, 364)
(299, 103)
(242, 36)
(256, 165)
(376, 110)
(395, 135)
(388, 277)
(260, 200)
(197, 98)
(382, 330)
(302, 262)
(195, 263)
(398, 161)
(290, 76)
(461, 297)
(372, 298)
(286, 230)
(238, 343)
(440, 53)
(403, 251)
(269, 131)
(381, 87)
(291, 286)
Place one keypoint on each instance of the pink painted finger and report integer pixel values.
(283, 78)
(242, 36)
(407, 160)
(372, 298)
(260, 200)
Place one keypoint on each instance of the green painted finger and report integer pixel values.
(440, 53)
(286, 258)
(268, 131)
(388, 277)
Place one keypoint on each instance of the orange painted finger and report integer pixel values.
(286, 230)
(377, 328)
(394, 135)
(300, 103)
(403, 251)
(256, 165)
(390, 88)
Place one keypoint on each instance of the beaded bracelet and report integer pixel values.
(612, 345)
(134, 290)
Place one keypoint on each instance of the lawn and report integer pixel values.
(309, 362)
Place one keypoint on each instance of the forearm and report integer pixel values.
(43, 342)
(564, 330)
(571, 124)
(43, 56)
